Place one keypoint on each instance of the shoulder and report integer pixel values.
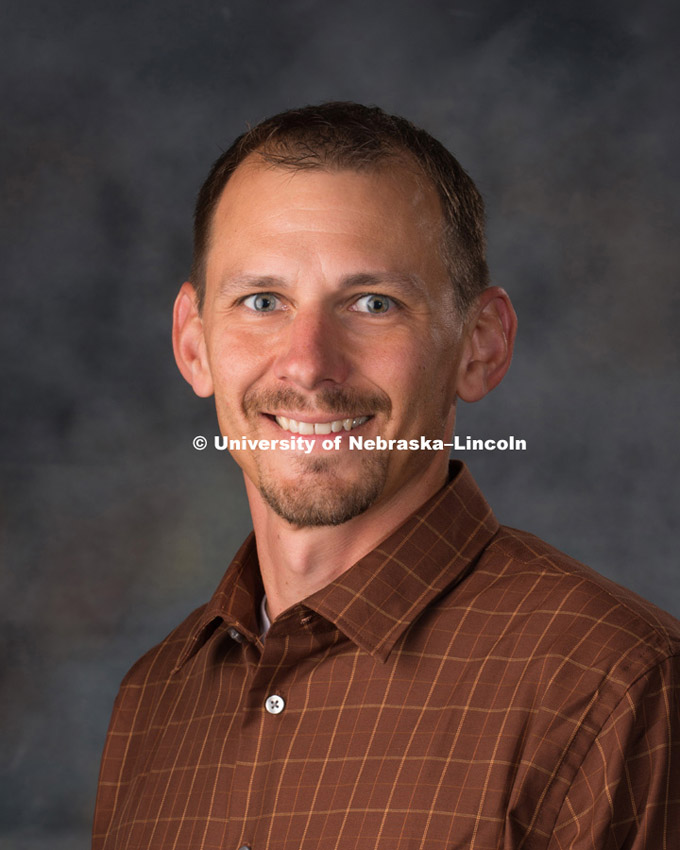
(578, 590)
(544, 606)
(600, 668)
(158, 663)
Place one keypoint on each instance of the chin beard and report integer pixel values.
(319, 496)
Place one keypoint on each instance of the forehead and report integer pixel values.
(392, 213)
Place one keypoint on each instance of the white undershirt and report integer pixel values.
(265, 622)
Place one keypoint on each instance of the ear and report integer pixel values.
(489, 340)
(188, 342)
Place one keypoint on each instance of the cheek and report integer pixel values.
(234, 371)
(235, 361)
(429, 383)
(423, 368)
(411, 382)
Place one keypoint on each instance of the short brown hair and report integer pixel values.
(343, 135)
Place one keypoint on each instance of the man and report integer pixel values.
(383, 665)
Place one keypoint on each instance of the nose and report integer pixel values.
(312, 351)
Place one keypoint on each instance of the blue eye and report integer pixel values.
(375, 304)
(264, 302)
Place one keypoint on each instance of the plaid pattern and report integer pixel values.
(462, 686)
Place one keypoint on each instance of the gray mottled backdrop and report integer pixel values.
(113, 527)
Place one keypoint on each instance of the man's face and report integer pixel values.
(328, 308)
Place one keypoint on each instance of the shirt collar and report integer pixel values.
(377, 599)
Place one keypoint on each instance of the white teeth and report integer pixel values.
(308, 428)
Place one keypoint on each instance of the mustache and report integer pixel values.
(341, 400)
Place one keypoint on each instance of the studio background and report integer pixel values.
(113, 526)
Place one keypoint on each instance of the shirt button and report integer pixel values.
(274, 704)
(244, 847)
(238, 637)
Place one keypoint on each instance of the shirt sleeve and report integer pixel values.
(626, 793)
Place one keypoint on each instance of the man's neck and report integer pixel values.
(296, 562)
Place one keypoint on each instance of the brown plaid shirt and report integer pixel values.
(463, 686)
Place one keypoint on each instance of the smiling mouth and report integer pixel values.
(296, 427)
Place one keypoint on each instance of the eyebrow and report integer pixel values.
(408, 284)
